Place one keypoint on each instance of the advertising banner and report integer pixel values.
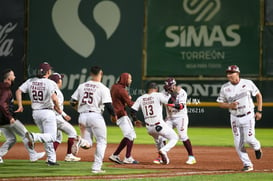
(201, 38)
(12, 38)
(73, 35)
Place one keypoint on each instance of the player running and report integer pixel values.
(121, 100)
(151, 106)
(90, 98)
(236, 95)
(9, 125)
(62, 123)
(41, 91)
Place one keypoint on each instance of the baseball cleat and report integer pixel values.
(37, 156)
(164, 156)
(158, 160)
(76, 145)
(191, 160)
(84, 144)
(247, 168)
(71, 158)
(98, 171)
(258, 154)
(1, 160)
(29, 136)
(130, 160)
(50, 163)
(115, 158)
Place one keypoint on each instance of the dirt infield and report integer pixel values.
(210, 160)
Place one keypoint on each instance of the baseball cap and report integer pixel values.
(44, 67)
(233, 68)
(56, 77)
(152, 85)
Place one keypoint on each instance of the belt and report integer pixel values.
(242, 115)
(43, 109)
(87, 111)
(153, 124)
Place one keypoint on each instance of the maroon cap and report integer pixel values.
(44, 67)
(56, 77)
(233, 68)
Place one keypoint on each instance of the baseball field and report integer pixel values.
(213, 149)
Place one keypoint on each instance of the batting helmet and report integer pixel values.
(169, 84)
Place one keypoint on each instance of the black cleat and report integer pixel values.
(258, 154)
(49, 163)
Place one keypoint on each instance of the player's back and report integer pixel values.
(151, 106)
(91, 96)
(40, 91)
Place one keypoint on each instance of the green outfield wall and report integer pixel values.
(193, 41)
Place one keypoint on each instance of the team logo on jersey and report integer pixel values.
(204, 10)
(75, 33)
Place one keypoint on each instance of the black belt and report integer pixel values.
(153, 124)
(43, 109)
(87, 111)
(242, 115)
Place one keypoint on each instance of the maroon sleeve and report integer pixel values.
(126, 98)
(5, 98)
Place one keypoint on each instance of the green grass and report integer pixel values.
(199, 137)
(226, 177)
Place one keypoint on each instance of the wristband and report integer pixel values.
(259, 111)
(64, 114)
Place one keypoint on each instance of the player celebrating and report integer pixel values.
(121, 99)
(90, 97)
(235, 95)
(9, 125)
(41, 91)
(178, 118)
(151, 106)
(63, 124)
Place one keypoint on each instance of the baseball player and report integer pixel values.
(41, 91)
(151, 106)
(90, 98)
(62, 122)
(10, 126)
(121, 99)
(178, 118)
(236, 96)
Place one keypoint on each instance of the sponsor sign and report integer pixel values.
(201, 38)
(73, 35)
(12, 38)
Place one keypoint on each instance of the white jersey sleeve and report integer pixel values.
(91, 96)
(241, 93)
(40, 91)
